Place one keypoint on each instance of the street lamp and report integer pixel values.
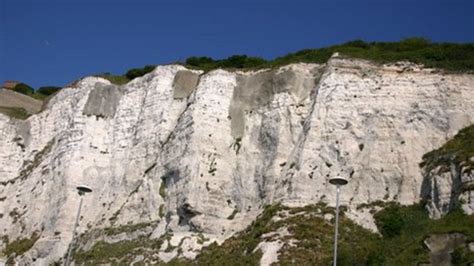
(81, 190)
(338, 181)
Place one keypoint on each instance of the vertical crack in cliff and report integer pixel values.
(140, 115)
(319, 78)
(294, 158)
(268, 140)
(178, 121)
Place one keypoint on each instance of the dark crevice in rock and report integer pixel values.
(185, 214)
(150, 168)
(178, 123)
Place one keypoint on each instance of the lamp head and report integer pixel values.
(338, 181)
(83, 189)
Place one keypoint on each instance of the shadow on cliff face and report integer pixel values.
(257, 90)
(441, 190)
(184, 209)
(268, 140)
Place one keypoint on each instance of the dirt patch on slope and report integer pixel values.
(9, 98)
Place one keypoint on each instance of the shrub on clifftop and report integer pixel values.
(138, 72)
(48, 90)
(23, 89)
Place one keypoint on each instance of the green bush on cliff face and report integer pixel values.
(102, 252)
(22, 245)
(24, 89)
(390, 222)
(408, 245)
(457, 150)
(15, 112)
(48, 90)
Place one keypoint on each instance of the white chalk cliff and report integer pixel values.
(197, 155)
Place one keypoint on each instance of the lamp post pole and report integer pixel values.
(338, 182)
(82, 190)
(338, 188)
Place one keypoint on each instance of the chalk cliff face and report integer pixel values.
(195, 156)
(445, 188)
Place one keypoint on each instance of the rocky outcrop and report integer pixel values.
(442, 246)
(447, 189)
(449, 175)
(103, 100)
(184, 83)
(201, 166)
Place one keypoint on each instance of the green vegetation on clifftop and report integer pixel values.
(448, 56)
(40, 94)
(128, 76)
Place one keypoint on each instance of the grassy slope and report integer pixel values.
(357, 245)
(457, 150)
(404, 229)
(18, 246)
(15, 112)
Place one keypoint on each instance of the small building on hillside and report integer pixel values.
(10, 84)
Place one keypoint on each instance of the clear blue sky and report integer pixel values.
(52, 42)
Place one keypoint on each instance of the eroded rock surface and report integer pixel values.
(442, 246)
(103, 100)
(184, 83)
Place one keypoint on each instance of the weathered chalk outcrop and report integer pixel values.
(103, 100)
(199, 160)
(184, 83)
(449, 175)
(257, 90)
(445, 189)
(442, 246)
